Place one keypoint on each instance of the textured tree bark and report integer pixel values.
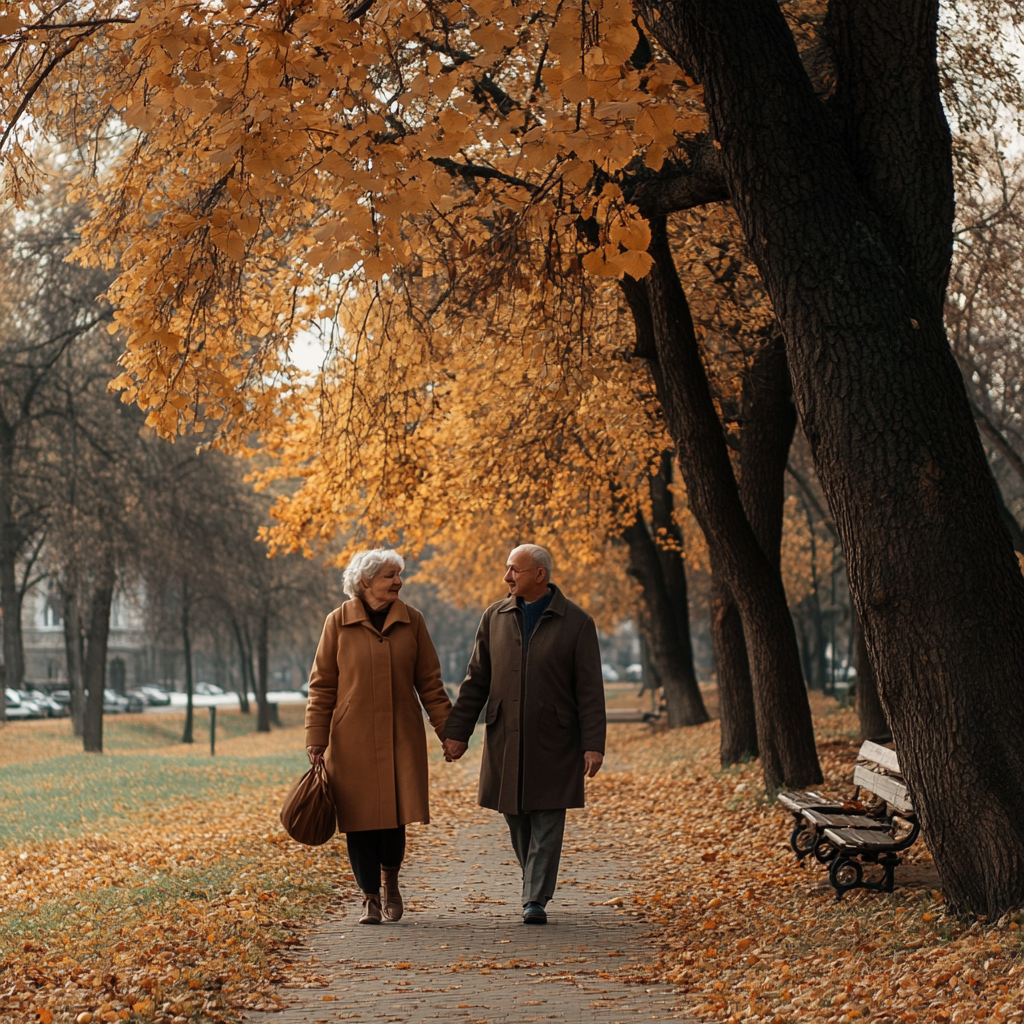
(671, 661)
(871, 714)
(738, 720)
(784, 729)
(673, 569)
(768, 419)
(186, 643)
(96, 655)
(932, 571)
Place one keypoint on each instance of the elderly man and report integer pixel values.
(537, 667)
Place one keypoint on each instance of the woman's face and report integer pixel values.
(384, 587)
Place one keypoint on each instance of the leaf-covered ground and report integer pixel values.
(155, 884)
(753, 937)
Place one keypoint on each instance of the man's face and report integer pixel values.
(524, 577)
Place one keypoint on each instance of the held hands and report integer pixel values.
(315, 754)
(592, 761)
(454, 749)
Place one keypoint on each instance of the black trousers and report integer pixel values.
(368, 851)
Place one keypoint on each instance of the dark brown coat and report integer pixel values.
(363, 708)
(543, 711)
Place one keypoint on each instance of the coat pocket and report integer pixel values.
(556, 732)
(493, 707)
(340, 712)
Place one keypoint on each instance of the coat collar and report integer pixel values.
(557, 606)
(353, 612)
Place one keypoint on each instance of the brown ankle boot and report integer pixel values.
(371, 909)
(393, 906)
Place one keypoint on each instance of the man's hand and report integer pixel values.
(454, 749)
(592, 761)
(314, 753)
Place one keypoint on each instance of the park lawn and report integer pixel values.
(751, 936)
(176, 899)
(153, 883)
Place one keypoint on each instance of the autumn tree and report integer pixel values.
(314, 140)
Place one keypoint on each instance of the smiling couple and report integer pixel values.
(536, 665)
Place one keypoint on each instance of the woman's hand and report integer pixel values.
(315, 754)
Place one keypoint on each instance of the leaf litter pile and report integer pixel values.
(187, 910)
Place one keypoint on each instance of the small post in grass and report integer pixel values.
(213, 729)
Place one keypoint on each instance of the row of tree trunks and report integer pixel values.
(662, 317)
(855, 279)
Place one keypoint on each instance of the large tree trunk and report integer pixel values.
(262, 668)
(186, 643)
(662, 315)
(671, 661)
(873, 723)
(856, 281)
(672, 559)
(74, 652)
(738, 719)
(96, 656)
(768, 423)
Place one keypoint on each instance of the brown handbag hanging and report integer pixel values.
(308, 813)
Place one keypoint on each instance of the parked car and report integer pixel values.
(154, 695)
(133, 703)
(610, 672)
(113, 703)
(304, 689)
(63, 698)
(36, 708)
(209, 689)
(16, 708)
(47, 704)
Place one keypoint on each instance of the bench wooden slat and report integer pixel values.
(797, 800)
(882, 756)
(860, 838)
(823, 820)
(891, 790)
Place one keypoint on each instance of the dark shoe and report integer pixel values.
(393, 905)
(533, 913)
(371, 909)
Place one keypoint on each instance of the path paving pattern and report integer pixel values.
(461, 953)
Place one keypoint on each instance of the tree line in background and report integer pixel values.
(575, 270)
(92, 501)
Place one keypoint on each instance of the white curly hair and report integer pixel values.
(365, 565)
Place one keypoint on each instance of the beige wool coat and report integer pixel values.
(544, 701)
(363, 707)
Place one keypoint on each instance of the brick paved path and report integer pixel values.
(462, 954)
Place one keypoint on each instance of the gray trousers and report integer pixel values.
(537, 840)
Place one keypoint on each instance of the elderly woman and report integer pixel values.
(375, 656)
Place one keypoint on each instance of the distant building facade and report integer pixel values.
(42, 626)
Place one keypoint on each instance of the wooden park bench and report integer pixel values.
(847, 835)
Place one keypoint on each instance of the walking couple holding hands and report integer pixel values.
(536, 666)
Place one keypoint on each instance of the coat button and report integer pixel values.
(382, 639)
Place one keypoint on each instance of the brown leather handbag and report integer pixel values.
(308, 813)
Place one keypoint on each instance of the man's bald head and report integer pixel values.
(528, 572)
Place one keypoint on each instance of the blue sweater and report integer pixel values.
(533, 610)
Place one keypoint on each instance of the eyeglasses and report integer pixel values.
(513, 569)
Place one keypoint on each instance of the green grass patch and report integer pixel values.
(66, 796)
